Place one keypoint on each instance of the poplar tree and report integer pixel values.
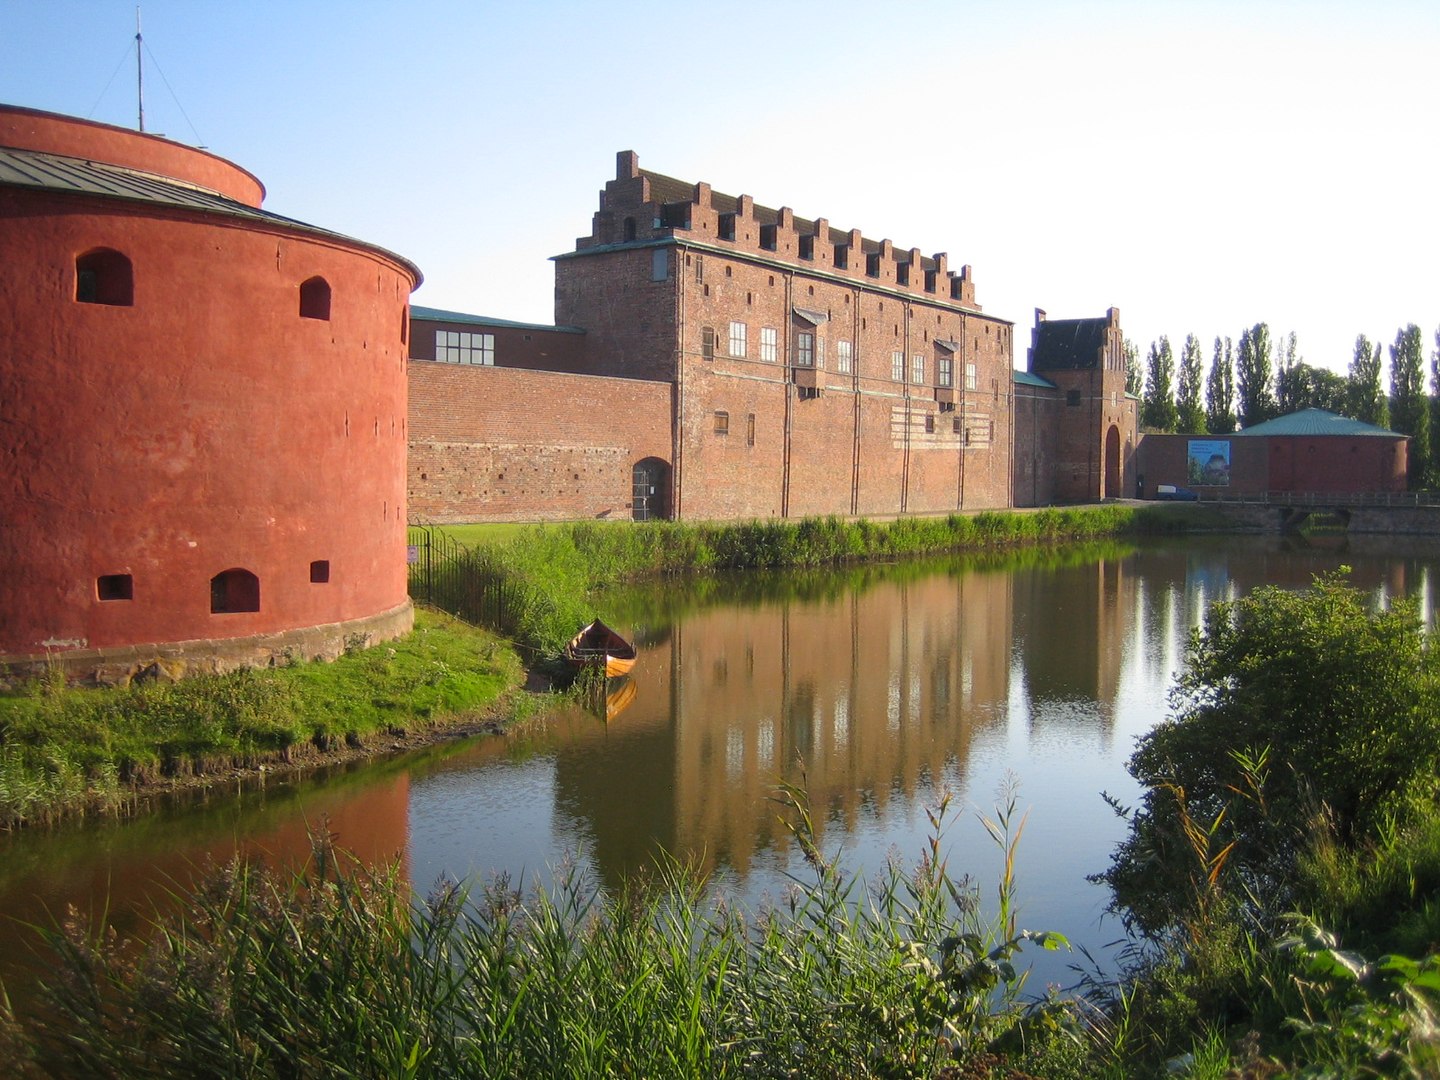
(1254, 377)
(1220, 391)
(1365, 390)
(1187, 396)
(1291, 378)
(1157, 409)
(1409, 403)
(1435, 413)
(1134, 380)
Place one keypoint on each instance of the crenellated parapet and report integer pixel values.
(640, 206)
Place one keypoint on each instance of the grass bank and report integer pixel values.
(546, 576)
(66, 751)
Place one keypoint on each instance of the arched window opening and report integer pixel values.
(104, 276)
(315, 299)
(234, 590)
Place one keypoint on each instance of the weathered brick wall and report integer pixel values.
(1337, 463)
(543, 348)
(868, 442)
(1090, 403)
(506, 444)
(628, 317)
(1281, 463)
(1036, 421)
(725, 475)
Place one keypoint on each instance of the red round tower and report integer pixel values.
(202, 413)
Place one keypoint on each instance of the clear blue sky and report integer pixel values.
(1202, 166)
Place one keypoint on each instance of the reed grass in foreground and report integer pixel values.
(332, 971)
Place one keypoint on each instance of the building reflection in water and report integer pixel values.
(871, 698)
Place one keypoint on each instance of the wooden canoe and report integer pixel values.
(597, 646)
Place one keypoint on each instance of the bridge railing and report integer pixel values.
(1326, 499)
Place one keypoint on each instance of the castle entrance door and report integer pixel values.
(1112, 489)
(647, 499)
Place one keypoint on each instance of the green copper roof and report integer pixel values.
(1025, 378)
(1316, 422)
(431, 314)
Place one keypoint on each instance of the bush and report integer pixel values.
(1292, 708)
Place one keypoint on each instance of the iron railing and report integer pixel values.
(459, 580)
(1326, 499)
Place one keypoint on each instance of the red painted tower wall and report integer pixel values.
(204, 427)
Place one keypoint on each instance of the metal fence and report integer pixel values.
(1314, 498)
(459, 580)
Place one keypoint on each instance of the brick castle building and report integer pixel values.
(715, 359)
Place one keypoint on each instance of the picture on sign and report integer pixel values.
(1209, 462)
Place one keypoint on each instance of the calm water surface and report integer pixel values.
(882, 690)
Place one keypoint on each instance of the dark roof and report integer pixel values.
(1068, 344)
(1317, 422)
(439, 315)
(667, 189)
(77, 176)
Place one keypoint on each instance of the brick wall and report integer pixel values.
(1333, 464)
(1036, 421)
(542, 348)
(506, 444)
(629, 317)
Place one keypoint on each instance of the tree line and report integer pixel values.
(1264, 377)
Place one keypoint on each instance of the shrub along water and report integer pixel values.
(547, 575)
(1294, 788)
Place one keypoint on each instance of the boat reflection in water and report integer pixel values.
(620, 694)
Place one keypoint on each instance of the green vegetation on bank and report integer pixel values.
(539, 585)
(66, 750)
(1281, 881)
(1283, 864)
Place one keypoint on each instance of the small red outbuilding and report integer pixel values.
(1311, 452)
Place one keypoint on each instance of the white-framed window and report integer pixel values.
(917, 368)
(945, 371)
(804, 350)
(897, 366)
(737, 339)
(769, 344)
(844, 362)
(459, 347)
(971, 382)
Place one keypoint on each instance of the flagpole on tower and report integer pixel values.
(139, 70)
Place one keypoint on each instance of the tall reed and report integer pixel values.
(333, 970)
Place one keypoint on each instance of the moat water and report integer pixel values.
(881, 690)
